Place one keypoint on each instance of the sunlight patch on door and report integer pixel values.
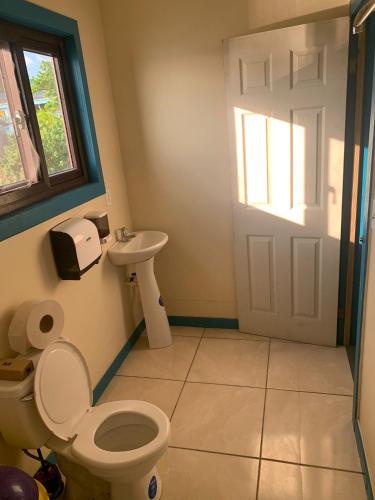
(263, 153)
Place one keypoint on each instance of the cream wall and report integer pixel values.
(166, 64)
(267, 13)
(99, 317)
(367, 371)
(167, 73)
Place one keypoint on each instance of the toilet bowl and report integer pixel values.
(119, 442)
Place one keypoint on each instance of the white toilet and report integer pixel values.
(119, 442)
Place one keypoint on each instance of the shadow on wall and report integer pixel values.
(322, 15)
(46, 263)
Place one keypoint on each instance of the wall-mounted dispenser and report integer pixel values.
(100, 219)
(76, 247)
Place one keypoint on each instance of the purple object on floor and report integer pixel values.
(17, 485)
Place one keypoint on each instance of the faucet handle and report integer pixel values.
(123, 234)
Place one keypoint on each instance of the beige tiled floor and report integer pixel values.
(305, 367)
(279, 481)
(225, 333)
(306, 428)
(195, 475)
(224, 361)
(219, 418)
(170, 363)
(162, 393)
(237, 401)
(187, 331)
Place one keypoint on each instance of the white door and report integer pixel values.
(286, 98)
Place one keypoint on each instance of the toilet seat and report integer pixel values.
(62, 388)
(85, 448)
(63, 397)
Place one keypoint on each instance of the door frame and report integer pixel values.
(351, 186)
(367, 166)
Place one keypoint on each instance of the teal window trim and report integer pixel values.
(33, 16)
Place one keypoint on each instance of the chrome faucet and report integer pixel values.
(124, 235)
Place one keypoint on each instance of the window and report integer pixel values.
(33, 194)
(41, 148)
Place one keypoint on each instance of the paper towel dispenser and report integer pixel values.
(76, 247)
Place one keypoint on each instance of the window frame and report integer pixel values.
(53, 25)
(22, 39)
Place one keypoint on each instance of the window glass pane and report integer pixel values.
(47, 101)
(11, 169)
(19, 161)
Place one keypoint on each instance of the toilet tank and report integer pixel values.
(20, 422)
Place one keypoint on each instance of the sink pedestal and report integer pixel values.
(140, 250)
(158, 331)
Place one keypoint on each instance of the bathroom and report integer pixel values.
(158, 90)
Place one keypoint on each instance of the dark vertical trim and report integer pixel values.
(367, 158)
(355, 190)
(367, 162)
(347, 182)
(362, 458)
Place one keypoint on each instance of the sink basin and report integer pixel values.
(139, 249)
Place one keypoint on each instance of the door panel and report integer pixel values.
(286, 100)
(306, 277)
(306, 163)
(261, 273)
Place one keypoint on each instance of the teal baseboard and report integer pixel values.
(362, 457)
(117, 362)
(230, 323)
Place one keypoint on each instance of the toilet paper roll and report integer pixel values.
(36, 324)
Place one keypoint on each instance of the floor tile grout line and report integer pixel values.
(186, 336)
(275, 339)
(233, 385)
(226, 385)
(214, 452)
(251, 457)
(301, 464)
(187, 374)
(263, 417)
(150, 378)
(310, 392)
(267, 341)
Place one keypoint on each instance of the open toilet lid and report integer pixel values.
(62, 388)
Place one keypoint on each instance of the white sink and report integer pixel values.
(140, 251)
(140, 248)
